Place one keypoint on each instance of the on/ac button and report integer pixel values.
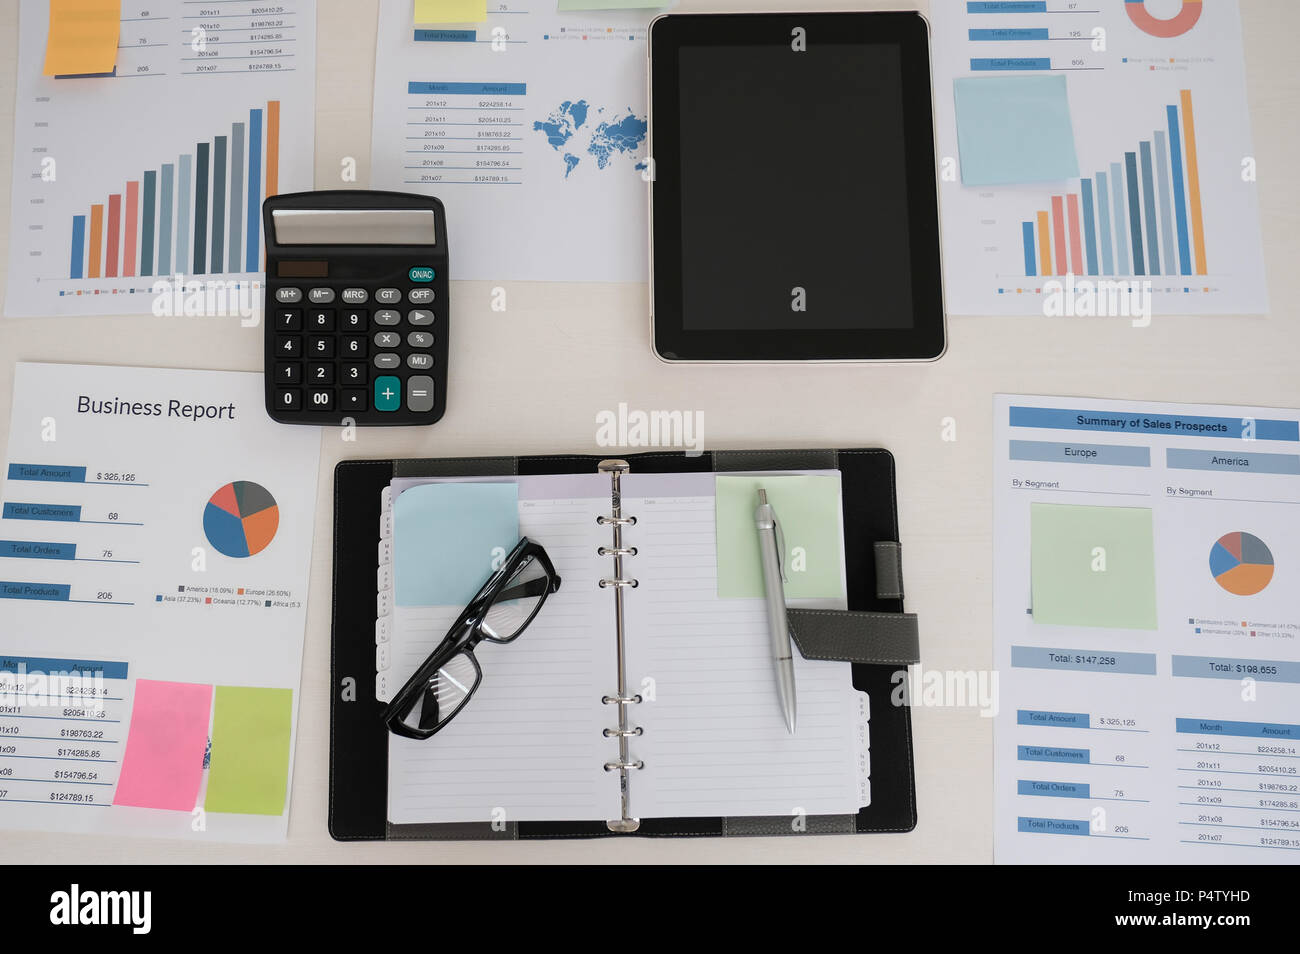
(421, 273)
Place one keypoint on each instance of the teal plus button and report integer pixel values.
(421, 273)
(388, 393)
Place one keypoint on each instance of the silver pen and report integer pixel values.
(771, 546)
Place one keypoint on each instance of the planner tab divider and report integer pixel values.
(624, 764)
(384, 686)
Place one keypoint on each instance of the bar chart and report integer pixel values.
(146, 229)
(1141, 216)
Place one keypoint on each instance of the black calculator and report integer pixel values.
(356, 308)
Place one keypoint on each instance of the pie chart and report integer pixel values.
(1241, 563)
(241, 519)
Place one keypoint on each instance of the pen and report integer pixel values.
(771, 546)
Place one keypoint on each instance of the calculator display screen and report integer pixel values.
(354, 226)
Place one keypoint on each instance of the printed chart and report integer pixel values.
(241, 519)
(207, 111)
(1166, 191)
(1241, 563)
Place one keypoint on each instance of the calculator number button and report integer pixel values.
(420, 339)
(320, 400)
(419, 393)
(320, 374)
(320, 296)
(322, 320)
(387, 317)
(353, 374)
(320, 347)
(386, 362)
(388, 393)
(387, 339)
(352, 348)
(355, 296)
(289, 346)
(288, 296)
(388, 296)
(288, 373)
(420, 296)
(289, 399)
(419, 362)
(419, 316)
(353, 320)
(288, 319)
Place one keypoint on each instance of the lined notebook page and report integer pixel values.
(528, 745)
(714, 741)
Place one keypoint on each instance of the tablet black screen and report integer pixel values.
(794, 203)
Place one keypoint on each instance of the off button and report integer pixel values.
(421, 273)
(388, 392)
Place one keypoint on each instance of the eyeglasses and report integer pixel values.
(501, 611)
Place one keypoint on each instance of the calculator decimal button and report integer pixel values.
(354, 319)
(419, 362)
(419, 316)
(386, 362)
(288, 399)
(320, 320)
(352, 374)
(420, 339)
(288, 319)
(352, 399)
(320, 296)
(288, 296)
(289, 346)
(419, 393)
(288, 373)
(387, 339)
(321, 399)
(388, 393)
(388, 296)
(352, 348)
(355, 296)
(320, 347)
(387, 316)
(320, 374)
(420, 296)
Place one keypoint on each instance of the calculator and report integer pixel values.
(356, 308)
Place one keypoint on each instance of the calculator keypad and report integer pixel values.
(348, 351)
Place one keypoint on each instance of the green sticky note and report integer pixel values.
(249, 774)
(808, 509)
(1093, 566)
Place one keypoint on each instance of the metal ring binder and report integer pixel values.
(625, 763)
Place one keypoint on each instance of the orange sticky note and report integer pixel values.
(163, 763)
(83, 37)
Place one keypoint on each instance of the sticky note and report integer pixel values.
(1092, 566)
(450, 11)
(1014, 129)
(808, 508)
(448, 538)
(611, 4)
(249, 764)
(163, 763)
(83, 37)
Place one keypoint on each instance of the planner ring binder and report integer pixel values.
(624, 764)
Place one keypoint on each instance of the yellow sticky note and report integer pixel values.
(83, 36)
(450, 11)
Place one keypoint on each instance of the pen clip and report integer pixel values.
(780, 548)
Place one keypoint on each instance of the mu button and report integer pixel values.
(388, 393)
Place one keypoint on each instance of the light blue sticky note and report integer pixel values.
(446, 537)
(1014, 129)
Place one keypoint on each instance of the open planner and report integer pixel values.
(641, 698)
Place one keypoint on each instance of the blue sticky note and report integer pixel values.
(1014, 129)
(446, 538)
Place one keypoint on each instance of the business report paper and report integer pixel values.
(1146, 612)
(1165, 194)
(530, 127)
(158, 168)
(155, 543)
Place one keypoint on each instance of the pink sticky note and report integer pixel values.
(163, 764)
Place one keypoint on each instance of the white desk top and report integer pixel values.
(586, 348)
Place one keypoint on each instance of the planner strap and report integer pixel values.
(879, 639)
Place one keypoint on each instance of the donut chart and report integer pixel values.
(1177, 25)
(240, 519)
(1241, 563)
